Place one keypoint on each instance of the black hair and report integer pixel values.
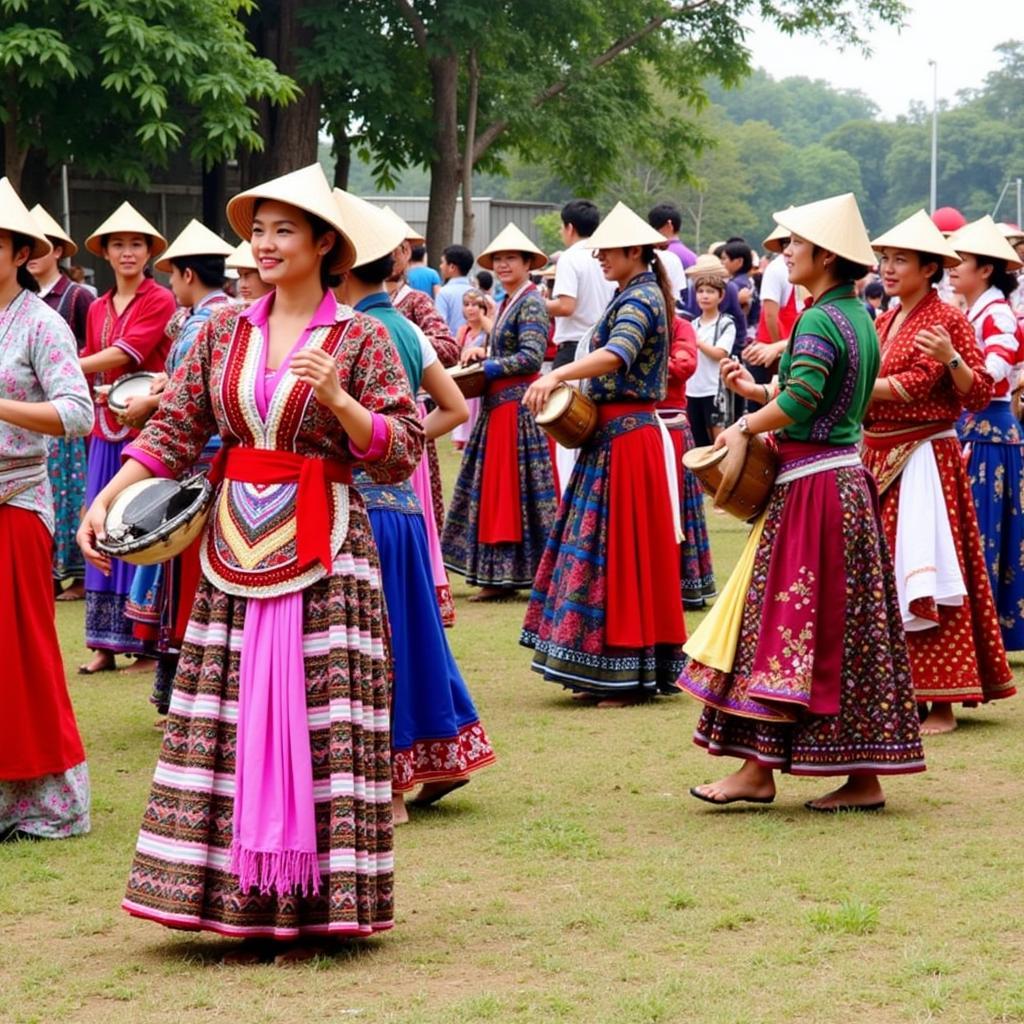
(24, 278)
(320, 228)
(874, 290)
(737, 249)
(650, 256)
(718, 250)
(1003, 279)
(418, 252)
(209, 269)
(459, 256)
(105, 239)
(583, 215)
(940, 268)
(843, 269)
(376, 271)
(665, 213)
(485, 279)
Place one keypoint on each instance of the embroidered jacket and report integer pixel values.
(417, 306)
(250, 545)
(520, 336)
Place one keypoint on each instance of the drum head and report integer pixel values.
(703, 457)
(134, 385)
(558, 401)
(466, 371)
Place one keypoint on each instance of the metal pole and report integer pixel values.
(1019, 224)
(935, 133)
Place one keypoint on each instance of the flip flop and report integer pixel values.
(694, 792)
(438, 795)
(839, 808)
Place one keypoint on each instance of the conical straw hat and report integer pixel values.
(308, 190)
(373, 231)
(412, 236)
(241, 258)
(127, 220)
(920, 234)
(773, 243)
(707, 266)
(53, 230)
(621, 229)
(196, 240)
(1011, 232)
(982, 238)
(834, 224)
(511, 239)
(14, 216)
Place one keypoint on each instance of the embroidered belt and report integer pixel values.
(507, 389)
(18, 475)
(820, 462)
(312, 505)
(617, 418)
(880, 440)
(398, 497)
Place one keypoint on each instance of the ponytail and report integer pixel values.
(650, 257)
(24, 278)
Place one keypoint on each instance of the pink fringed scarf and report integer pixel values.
(274, 833)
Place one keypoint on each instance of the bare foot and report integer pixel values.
(247, 952)
(140, 665)
(431, 792)
(399, 815)
(102, 661)
(491, 594)
(585, 697)
(753, 783)
(76, 592)
(858, 793)
(939, 720)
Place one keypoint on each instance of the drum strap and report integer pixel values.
(313, 476)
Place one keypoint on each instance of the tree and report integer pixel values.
(566, 84)
(868, 143)
(117, 85)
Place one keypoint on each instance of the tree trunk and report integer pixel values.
(14, 155)
(445, 167)
(342, 150)
(472, 99)
(289, 132)
(215, 199)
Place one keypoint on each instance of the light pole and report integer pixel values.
(935, 132)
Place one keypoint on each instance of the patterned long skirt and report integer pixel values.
(504, 502)
(820, 679)
(436, 734)
(106, 626)
(962, 658)
(426, 482)
(180, 875)
(696, 569)
(604, 615)
(67, 467)
(996, 469)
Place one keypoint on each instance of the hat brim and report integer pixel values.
(67, 247)
(242, 212)
(157, 244)
(537, 260)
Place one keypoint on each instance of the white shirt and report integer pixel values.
(704, 382)
(676, 272)
(427, 351)
(579, 276)
(775, 284)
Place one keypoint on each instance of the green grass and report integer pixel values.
(575, 881)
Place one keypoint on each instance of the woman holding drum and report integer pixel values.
(802, 663)
(125, 333)
(270, 812)
(932, 369)
(44, 780)
(605, 617)
(504, 501)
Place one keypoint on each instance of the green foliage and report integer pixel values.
(548, 227)
(118, 85)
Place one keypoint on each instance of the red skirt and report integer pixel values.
(38, 733)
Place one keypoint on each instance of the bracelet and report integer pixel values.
(767, 394)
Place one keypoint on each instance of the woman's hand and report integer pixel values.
(935, 343)
(739, 379)
(92, 529)
(474, 354)
(313, 366)
(760, 353)
(538, 393)
(158, 383)
(138, 410)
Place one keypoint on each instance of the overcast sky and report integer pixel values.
(958, 34)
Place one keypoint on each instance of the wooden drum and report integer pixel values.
(742, 491)
(471, 380)
(569, 416)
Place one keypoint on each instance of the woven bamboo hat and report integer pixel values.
(920, 234)
(834, 224)
(511, 239)
(306, 189)
(14, 216)
(126, 220)
(707, 266)
(412, 236)
(1013, 234)
(196, 240)
(241, 258)
(983, 238)
(773, 243)
(373, 231)
(53, 231)
(621, 229)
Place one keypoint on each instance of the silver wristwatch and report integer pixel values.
(954, 362)
(743, 425)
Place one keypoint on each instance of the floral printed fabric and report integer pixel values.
(50, 807)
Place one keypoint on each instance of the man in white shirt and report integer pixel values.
(580, 292)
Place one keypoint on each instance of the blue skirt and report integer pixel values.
(436, 733)
(996, 469)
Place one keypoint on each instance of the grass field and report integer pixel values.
(575, 881)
